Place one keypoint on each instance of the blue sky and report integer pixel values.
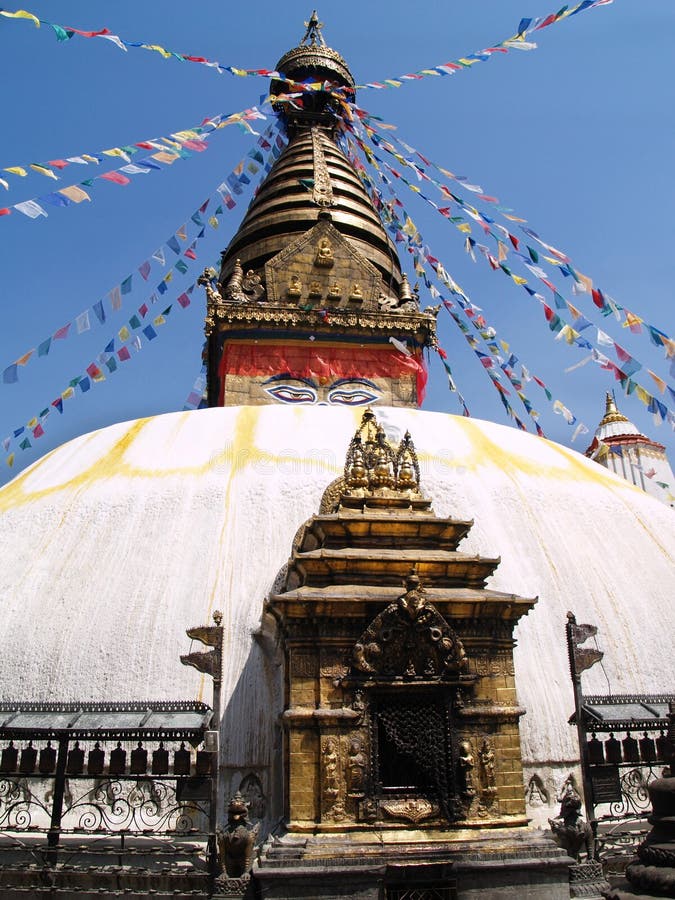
(578, 137)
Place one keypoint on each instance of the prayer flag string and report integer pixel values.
(628, 365)
(113, 300)
(516, 41)
(408, 232)
(508, 243)
(187, 139)
(128, 337)
(75, 193)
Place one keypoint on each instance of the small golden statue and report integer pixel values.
(324, 254)
(294, 287)
(356, 293)
(314, 289)
(334, 291)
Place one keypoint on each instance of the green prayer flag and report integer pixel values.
(135, 322)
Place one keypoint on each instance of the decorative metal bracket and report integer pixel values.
(581, 658)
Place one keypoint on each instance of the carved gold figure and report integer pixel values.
(294, 287)
(324, 254)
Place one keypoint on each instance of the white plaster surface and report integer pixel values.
(116, 542)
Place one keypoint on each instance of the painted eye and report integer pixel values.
(354, 397)
(286, 393)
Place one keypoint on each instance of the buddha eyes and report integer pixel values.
(356, 393)
(355, 397)
(287, 393)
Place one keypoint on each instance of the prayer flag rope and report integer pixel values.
(509, 243)
(516, 41)
(190, 139)
(74, 193)
(408, 232)
(93, 373)
(628, 364)
(113, 300)
(118, 349)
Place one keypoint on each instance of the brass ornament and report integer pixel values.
(413, 810)
(324, 255)
(409, 638)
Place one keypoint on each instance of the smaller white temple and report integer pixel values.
(619, 446)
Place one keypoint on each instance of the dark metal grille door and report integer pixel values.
(442, 892)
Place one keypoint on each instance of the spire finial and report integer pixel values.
(313, 34)
(610, 403)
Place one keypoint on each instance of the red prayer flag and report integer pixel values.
(58, 163)
(123, 354)
(190, 253)
(61, 333)
(5, 212)
(38, 431)
(116, 177)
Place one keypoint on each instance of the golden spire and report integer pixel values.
(612, 414)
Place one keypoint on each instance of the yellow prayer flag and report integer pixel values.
(505, 347)
(157, 49)
(175, 144)
(165, 157)
(182, 233)
(659, 381)
(16, 170)
(44, 170)
(168, 277)
(124, 333)
(159, 320)
(413, 187)
(67, 394)
(33, 422)
(514, 218)
(643, 395)
(519, 279)
(115, 151)
(586, 281)
(74, 193)
(553, 261)
(89, 158)
(10, 460)
(21, 14)
(213, 222)
(464, 227)
(241, 72)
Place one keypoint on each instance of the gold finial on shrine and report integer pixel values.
(313, 35)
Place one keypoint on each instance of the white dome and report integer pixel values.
(609, 430)
(116, 542)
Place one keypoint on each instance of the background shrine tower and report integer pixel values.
(619, 446)
(310, 305)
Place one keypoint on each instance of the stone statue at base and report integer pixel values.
(237, 840)
(570, 831)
